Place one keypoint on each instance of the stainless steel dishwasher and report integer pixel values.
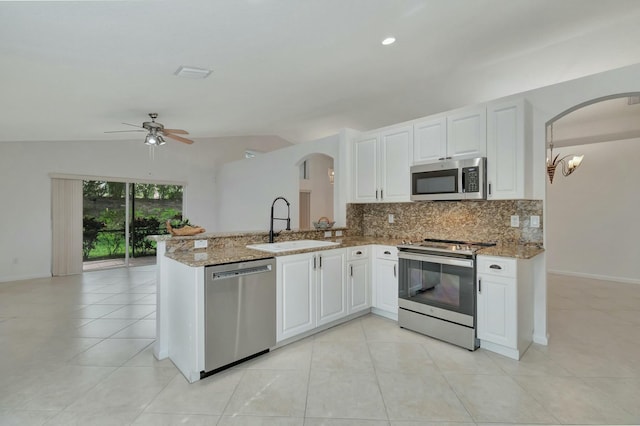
(240, 313)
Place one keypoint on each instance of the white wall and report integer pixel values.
(592, 215)
(247, 188)
(25, 190)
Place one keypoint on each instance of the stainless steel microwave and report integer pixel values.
(450, 180)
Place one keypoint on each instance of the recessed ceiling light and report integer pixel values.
(389, 40)
(192, 72)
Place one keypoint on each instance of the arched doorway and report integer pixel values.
(591, 229)
(316, 189)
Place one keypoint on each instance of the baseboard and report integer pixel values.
(386, 314)
(23, 277)
(595, 276)
(541, 339)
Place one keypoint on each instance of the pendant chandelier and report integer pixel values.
(568, 165)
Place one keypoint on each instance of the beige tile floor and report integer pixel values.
(78, 351)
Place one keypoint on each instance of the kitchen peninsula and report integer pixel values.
(358, 276)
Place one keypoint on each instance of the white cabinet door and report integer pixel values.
(507, 141)
(359, 285)
(467, 133)
(365, 169)
(386, 282)
(332, 286)
(430, 140)
(497, 304)
(295, 295)
(395, 160)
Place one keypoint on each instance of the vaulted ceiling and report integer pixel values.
(298, 69)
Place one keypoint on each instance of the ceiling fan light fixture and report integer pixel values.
(192, 72)
(151, 140)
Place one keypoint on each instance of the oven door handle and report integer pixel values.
(465, 263)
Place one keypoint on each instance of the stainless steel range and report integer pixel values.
(437, 290)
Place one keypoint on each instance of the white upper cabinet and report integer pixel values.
(459, 134)
(467, 133)
(365, 169)
(508, 143)
(430, 140)
(381, 164)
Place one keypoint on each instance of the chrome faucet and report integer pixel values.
(288, 219)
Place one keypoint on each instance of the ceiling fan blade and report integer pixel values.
(124, 131)
(176, 131)
(134, 125)
(179, 138)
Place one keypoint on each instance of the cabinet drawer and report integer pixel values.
(386, 252)
(359, 252)
(498, 266)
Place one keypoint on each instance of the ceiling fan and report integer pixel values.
(157, 132)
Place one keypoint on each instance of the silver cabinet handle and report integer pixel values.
(320, 257)
(479, 285)
(441, 158)
(494, 266)
(358, 252)
(376, 194)
(489, 189)
(387, 252)
(314, 262)
(381, 196)
(351, 273)
(395, 268)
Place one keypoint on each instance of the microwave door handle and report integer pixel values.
(464, 186)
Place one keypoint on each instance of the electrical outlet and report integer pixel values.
(327, 234)
(391, 218)
(515, 221)
(535, 221)
(338, 233)
(200, 244)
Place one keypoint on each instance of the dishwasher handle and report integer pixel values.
(222, 275)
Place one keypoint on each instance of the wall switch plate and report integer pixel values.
(515, 221)
(200, 244)
(327, 234)
(338, 233)
(391, 218)
(535, 221)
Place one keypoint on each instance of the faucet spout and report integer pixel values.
(288, 218)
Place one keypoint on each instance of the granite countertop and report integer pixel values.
(518, 251)
(217, 256)
(205, 235)
(221, 255)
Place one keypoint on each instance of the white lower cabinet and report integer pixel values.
(331, 286)
(505, 305)
(385, 281)
(311, 291)
(358, 278)
(295, 299)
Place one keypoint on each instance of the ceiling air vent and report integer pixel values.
(192, 72)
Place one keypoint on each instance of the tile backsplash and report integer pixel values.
(457, 220)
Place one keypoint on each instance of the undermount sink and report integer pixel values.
(291, 245)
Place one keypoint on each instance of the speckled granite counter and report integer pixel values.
(519, 251)
(220, 255)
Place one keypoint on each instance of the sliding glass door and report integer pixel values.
(117, 218)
